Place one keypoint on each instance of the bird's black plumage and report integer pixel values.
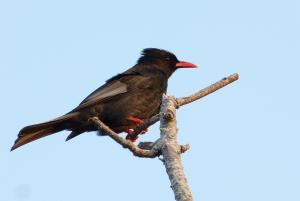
(136, 93)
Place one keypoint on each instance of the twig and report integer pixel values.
(125, 143)
(150, 145)
(208, 90)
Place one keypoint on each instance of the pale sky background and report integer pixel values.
(244, 138)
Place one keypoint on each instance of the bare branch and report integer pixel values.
(171, 151)
(208, 90)
(125, 143)
(150, 145)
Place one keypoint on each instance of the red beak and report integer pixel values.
(184, 64)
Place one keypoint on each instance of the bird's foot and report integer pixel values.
(138, 121)
(129, 135)
(130, 132)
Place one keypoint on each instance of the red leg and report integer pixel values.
(138, 121)
(135, 120)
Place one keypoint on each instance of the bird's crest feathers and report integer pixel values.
(150, 53)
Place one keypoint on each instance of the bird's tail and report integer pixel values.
(37, 131)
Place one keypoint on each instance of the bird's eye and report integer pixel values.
(167, 58)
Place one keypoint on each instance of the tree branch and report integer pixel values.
(208, 90)
(125, 143)
(171, 150)
(166, 145)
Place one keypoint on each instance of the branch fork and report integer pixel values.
(167, 145)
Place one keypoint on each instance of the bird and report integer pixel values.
(122, 103)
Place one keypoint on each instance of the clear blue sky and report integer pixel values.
(244, 138)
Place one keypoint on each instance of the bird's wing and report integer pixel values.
(113, 87)
(105, 92)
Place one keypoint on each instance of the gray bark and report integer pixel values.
(171, 151)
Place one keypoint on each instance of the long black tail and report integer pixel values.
(37, 131)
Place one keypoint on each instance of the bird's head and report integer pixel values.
(163, 60)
